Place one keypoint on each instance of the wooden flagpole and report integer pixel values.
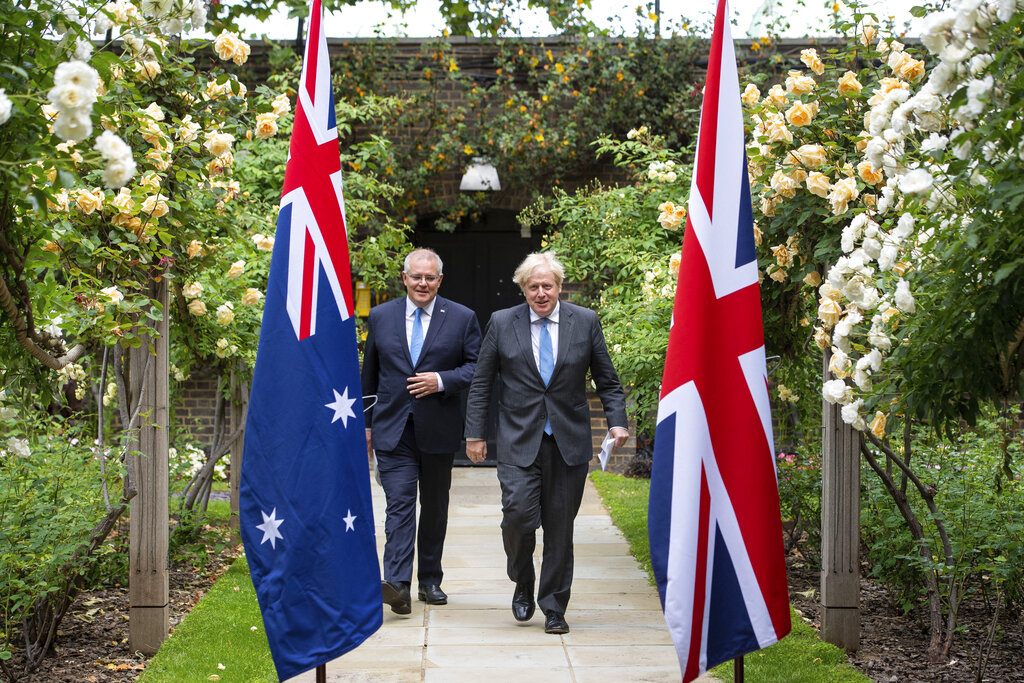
(737, 669)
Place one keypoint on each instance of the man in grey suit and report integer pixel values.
(540, 352)
(419, 357)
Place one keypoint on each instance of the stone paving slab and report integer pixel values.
(617, 632)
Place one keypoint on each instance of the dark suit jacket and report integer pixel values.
(525, 405)
(450, 349)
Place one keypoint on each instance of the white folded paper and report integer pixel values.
(606, 449)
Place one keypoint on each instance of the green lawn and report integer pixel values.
(798, 658)
(223, 635)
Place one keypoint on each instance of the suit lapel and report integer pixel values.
(437, 320)
(566, 328)
(521, 327)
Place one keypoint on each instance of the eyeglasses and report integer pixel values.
(429, 279)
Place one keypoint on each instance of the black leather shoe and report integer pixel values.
(555, 623)
(397, 595)
(432, 595)
(522, 601)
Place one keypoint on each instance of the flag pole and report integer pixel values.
(737, 670)
(321, 674)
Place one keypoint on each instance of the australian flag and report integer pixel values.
(306, 516)
(714, 520)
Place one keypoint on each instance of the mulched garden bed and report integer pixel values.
(93, 647)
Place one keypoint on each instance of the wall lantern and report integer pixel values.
(480, 175)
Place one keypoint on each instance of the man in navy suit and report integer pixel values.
(540, 353)
(419, 357)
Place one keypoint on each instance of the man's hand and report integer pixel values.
(422, 384)
(620, 435)
(476, 450)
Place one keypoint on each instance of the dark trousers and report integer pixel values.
(400, 472)
(545, 494)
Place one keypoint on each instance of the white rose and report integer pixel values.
(5, 107)
(878, 339)
(851, 415)
(836, 391)
(192, 290)
(225, 313)
(904, 299)
(19, 447)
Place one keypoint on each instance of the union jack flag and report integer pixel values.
(714, 519)
(305, 513)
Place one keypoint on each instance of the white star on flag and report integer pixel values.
(342, 407)
(349, 520)
(269, 528)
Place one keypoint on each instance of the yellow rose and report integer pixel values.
(282, 105)
(160, 160)
(778, 274)
(868, 174)
(829, 312)
(218, 144)
(147, 70)
(195, 248)
(768, 205)
(750, 95)
(799, 84)
(236, 269)
(782, 255)
(862, 142)
(812, 278)
(800, 114)
(225, 313)
(188, 131)
(776, 95)
(87, 201)
(783, 185)
(810, 58)
(263, 242)
(192, 290)
(822, 339)
(809, 156)
(251, 297)
(266, 125)
(827, 291)
(758, 235)
(229, 46)
(843, 192)
(778, 132)
(197, 308)
(849, 85)
(867, 34)
(59, 201)
(877, 425)
(127, 221)
(155, 206)
(910, 69)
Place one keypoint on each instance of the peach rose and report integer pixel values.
(155, 206)
(783, 185)
(251, 297)
(776, 95)
(812, 278)
(810, 58)
(218, 144)
(197, 308)
(849, 85)
(799, 84)
(229, 46)
(800, 114)
(87, 201)
(843, 192)
(782, 255)
(809, 156)
(236, 269)
(192, 290)
(225, 313)
(195, 248)
(867, 34)
(778, 132)
(829, 312)
(266, 125)
(877, 425)
(282, 105)
(868, 174)
(750, 95)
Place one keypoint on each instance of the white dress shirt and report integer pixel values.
(535, 327)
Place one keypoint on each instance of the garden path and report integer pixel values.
(617, 629)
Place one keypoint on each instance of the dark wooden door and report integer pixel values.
(479, 259)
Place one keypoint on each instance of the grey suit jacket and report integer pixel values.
(526, 404)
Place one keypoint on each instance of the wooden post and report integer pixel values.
(239, 412)
(840, 526)
(147, 567)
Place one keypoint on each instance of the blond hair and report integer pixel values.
(544, 259)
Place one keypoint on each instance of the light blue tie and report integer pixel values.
(416, 343)
(547, 360)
